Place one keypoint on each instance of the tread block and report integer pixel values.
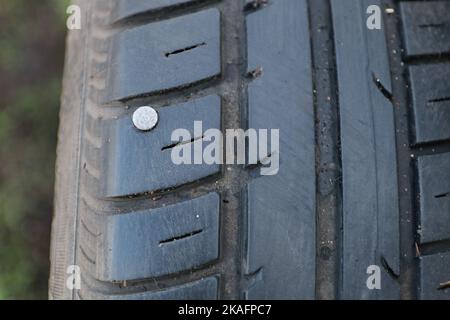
(431, 101)
(204, 289)
(127, 8)
(434, 184)
(369, 161)
(182, 52)
(281, 218)
(135, 161)
(159, 242)
(434, 272)
(426, 27)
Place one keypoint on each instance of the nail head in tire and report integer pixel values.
(145, 118)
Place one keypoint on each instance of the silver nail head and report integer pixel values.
(145, 118)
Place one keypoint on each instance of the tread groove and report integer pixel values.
(329, 195)
(435, 247)
(163, 13)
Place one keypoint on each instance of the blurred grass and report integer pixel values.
(31, 59)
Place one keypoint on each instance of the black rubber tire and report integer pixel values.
(364, 179)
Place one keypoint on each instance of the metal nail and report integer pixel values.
(145, 118)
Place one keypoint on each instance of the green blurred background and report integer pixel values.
(32, 36)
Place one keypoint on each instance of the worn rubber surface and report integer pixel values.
(364, 179)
